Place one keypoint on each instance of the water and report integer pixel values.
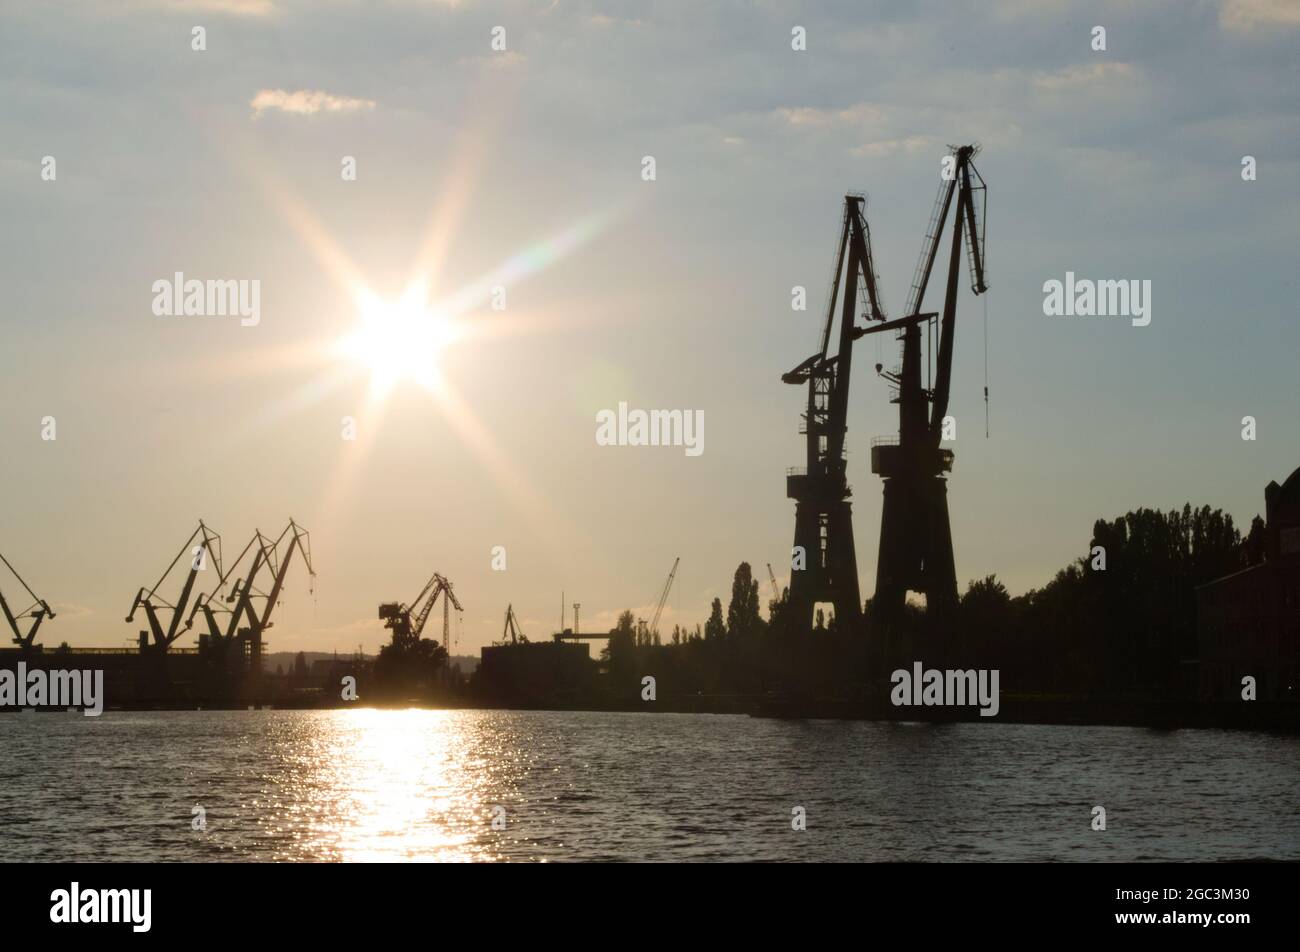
(425, 785)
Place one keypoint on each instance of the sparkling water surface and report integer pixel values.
(426, 785)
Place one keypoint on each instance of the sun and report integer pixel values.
(398, 341)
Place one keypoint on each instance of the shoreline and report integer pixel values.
(1263, 716)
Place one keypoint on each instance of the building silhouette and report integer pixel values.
(1248, 622)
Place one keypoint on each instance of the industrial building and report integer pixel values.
(1248, 623)
(531, 673)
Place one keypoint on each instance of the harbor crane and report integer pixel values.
(38, 611)
(663, 598)
(915, 532)
(512, 634)
(240, 593)
(776, 591)
(399, 616)
(208, 545)
(824, 562)
(265, 554)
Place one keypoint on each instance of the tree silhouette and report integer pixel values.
(622, 639)
(743, 619)
(715, 628)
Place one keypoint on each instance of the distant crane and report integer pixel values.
(38, 611)
(512, 633)
(823, 520)
(398, 617)
(776, 592)
(209, 544)
(915, 532)
(654, 625)
(265, 555)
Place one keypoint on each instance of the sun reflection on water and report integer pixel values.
(398, 785)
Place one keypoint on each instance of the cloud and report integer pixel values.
(1012, 9)
(248, 8)
(306, 102)
(910, 144)
(499, 60)
(605, 21)
(855, 115)
(878, 131)
(1245, 16)
(1078, 77)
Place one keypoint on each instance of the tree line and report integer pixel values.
(1116, 621)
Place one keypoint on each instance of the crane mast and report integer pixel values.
(824, 563)
(915, 533)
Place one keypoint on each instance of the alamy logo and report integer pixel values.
(950, 688)
(103, 905)
(55, 688)
(212, 298)
(1087, 298)
(651, 428)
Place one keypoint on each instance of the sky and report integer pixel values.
(523, 169)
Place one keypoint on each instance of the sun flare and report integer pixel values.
(400, 340)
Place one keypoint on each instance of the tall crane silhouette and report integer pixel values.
(824, 565)
(915, 533)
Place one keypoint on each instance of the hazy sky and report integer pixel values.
(523, 168)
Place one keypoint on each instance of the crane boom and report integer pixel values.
(241, 592)
(398, 616)
(208, 543)
(299, 539)
(38, 611)
(440, 586)
(512, 630)
(663, 597)
(963, 222)
(265, 555)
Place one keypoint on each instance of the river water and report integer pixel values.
(428, 785)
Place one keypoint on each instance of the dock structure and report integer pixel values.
(537, 672)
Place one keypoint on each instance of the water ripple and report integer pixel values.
(538, 786)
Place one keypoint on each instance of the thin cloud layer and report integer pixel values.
(1248, 15)
(306, 102)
